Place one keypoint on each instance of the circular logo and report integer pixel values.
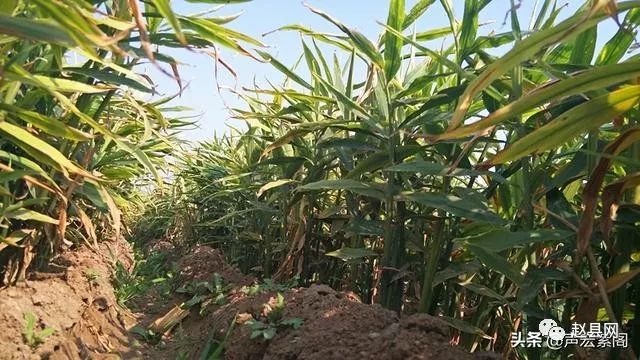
(556, 333)
(546, 325)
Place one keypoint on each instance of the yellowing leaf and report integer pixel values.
(526, 49)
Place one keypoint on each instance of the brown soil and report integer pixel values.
(338, 326)
(75, 298)
(202, 261)
(79, 303)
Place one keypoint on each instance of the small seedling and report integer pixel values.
(151, 272)
(205, 293)
(268, 285)
(148, 335)
(32, 336)
(267, 329)
(92, 275)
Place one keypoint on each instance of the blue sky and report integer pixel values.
(262, 16)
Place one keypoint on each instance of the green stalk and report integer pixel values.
(391, 291)
(394, 242)
(431, 265)
(433, 256)
(309, 236)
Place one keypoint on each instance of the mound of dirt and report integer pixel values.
(201, 261)
(336, 326)
(75, 298)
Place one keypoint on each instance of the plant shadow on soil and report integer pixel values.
(76, 298)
